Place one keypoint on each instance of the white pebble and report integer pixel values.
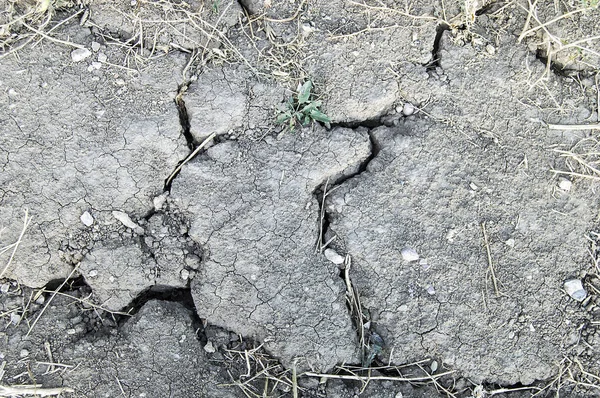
(95, 46)
(209, 347)
(15, 318)
(93, 273)
(87, 219)
(159, 201)
(126, 221)
(430, 290)
(40, 300)
(409, 254)
(23, 353)
(102, 57)
(565, 184)
(79, 54)
(408, 109)
(574, 288)
(490, 49)
(510, 242)
(185, 274)
(332, 256)
(4, 288)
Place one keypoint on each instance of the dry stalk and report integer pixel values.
(489, 259)
(75, 269)
(14, 246)
(32, 390)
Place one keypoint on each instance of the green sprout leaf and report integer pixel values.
(319, 116)
(304, 93)
(299, 109)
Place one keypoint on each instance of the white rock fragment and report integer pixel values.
(510, 242)
(102, 57)
(15, 318)
(565, 184)
(93, 273)
(408, 109)
(23, 353)
(332, 256)
(87, 219)
(574, 288)
(126, 221)
(490, 49)
(4, 288)
(409, 254)
(159, 201)
(79, 54)
(95, 46)
(185, 274)
(209, 347)
(430, 290)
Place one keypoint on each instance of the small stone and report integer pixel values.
(574, 288)
(510, 242)
(210, 348)
(79, 54)
(93, 273)
(473, 186)
(40, 300)
(12, 93)
(159, 201)
(102, 57)
(15, 318)
(4, 288)
(409, 254)
(95, 46)
(87, 219)
(185, 274)
(425, 264)
(430, 290)
(23, 353)
(408, 109)
(126, 221)
(399, 395)
(565, 184)
(490, 49)
(332, 256)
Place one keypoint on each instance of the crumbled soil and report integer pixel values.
(162, 235)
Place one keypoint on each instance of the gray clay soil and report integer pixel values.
(161, 235)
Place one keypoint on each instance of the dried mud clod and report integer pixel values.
(171, 224)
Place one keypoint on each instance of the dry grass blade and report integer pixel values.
(189, 157)
(593, 126)
(427, 378)
(52, 298)
(32, 390)
(489, 259)
(582, 160)
(14, 246)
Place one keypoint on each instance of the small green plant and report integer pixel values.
(216, 4)
(302, 108)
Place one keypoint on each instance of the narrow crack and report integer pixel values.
(435, 52)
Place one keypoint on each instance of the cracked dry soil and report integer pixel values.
(153, 266)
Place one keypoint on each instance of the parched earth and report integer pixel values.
(161, 235)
